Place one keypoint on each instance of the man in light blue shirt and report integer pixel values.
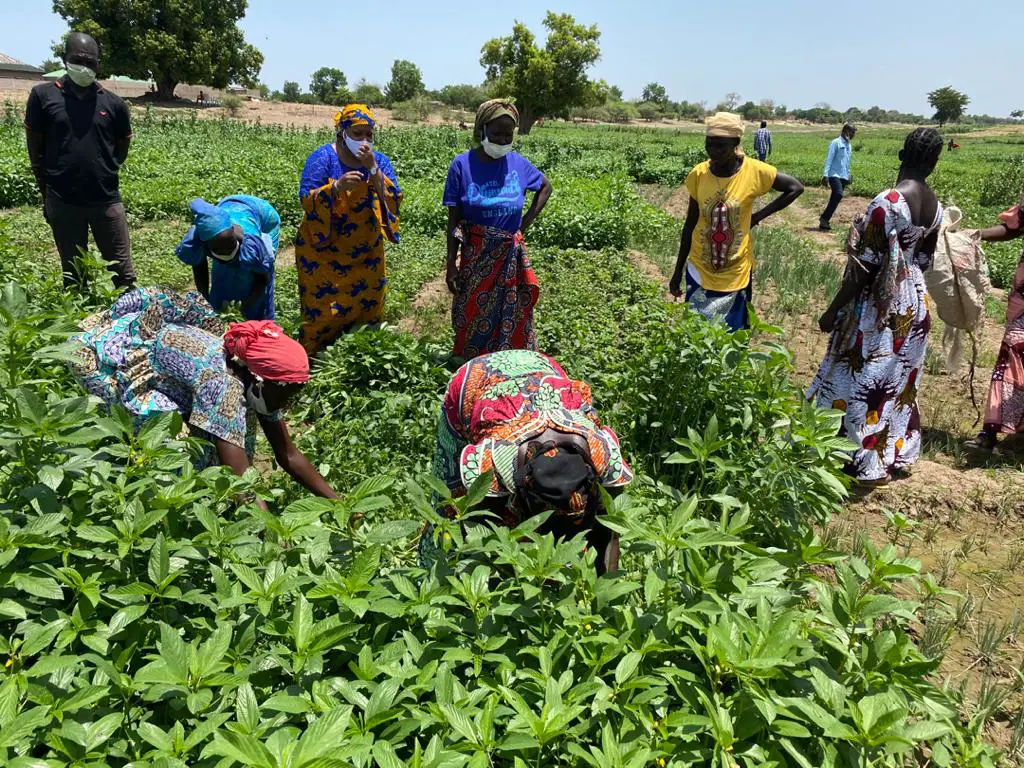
(837, 172)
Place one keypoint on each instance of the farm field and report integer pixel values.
(761, 618)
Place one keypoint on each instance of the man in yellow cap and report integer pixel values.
(719, 261)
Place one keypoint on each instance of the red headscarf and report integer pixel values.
(264, 348)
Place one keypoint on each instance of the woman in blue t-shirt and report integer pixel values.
(494, 287)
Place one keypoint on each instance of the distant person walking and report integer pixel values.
(763, 142)
(78, 135)
(240, 235)
(716, 251)
(837, 173)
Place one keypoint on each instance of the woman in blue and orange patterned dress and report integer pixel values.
(494, 287)
(351, 200)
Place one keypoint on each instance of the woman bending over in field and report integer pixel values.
(351, 199)
(156, 351)
(879, 320)
(718, 262)
(516, 412)
(494, 287)
(1004, 412)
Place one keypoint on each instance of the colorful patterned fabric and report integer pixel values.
(1005, 409)
(234, 280)
(339, 248)
(490, 110)
(497, 401)
(875, 359)
(352, 115)
(721, 250)
(498, 290)
(730, 307)
(156, 351)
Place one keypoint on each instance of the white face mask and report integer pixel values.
(80, 74)
(354, 145)
(254, 399)
(496, 151)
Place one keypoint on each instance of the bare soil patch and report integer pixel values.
(428, 307)
(678, 203)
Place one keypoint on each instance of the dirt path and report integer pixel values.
(427, 308)
(678, 203)
(803, 216)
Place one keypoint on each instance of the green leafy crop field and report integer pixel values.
(149, 616)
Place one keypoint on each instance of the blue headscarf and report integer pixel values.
(208, 219)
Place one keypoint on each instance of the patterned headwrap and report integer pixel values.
(266, 350)
(353, 115)
(492, 110)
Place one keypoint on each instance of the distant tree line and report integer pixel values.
(202, 43)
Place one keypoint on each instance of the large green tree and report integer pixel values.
(406, 81)
(368, 93)
(465, 95)
(655, 92)
(172, 41)
(329, 85)
(948, 103)
(545, 81)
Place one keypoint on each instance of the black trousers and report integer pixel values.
(71, 225)
(838, 187)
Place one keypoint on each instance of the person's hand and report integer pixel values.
(451, 278)
(827, 322)
(675, 285)
(824, 181)
(366, 158)
(348, 182)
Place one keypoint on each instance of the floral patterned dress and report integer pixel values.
(156, 351)
(498, 401)
(1004, 411)
(875, 359)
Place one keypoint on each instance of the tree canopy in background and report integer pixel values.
(406, 81)
(329, 86)
(546, 81)
(949, 104)
(463, 95)
(655, 92)
(169, 40)
(366, 92)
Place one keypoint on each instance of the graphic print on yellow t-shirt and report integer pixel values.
(721, 250)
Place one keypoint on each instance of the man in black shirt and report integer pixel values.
(78, 136)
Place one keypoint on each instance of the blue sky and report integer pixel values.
(797, 52)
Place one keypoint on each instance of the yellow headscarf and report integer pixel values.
(352, 115)
(492, 110)
(725, 124)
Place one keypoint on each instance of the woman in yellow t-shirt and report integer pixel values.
(718, 262)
